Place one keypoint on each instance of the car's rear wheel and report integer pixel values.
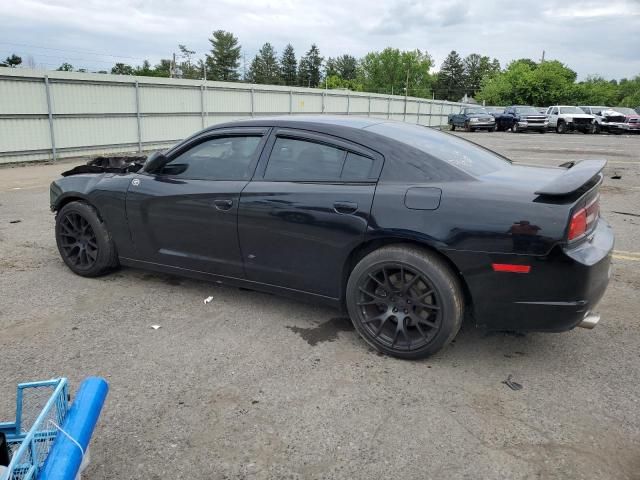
(561, 127)
(83, 240)
(452, 127)
(404, 301)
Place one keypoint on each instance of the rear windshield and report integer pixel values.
(460, 153)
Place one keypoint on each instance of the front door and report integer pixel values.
(186, 215)
(307, 207)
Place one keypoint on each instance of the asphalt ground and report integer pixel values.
(258, 386)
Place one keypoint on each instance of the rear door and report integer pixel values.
(186, 215)
(307, 207)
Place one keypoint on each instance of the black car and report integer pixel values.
(520, 118)
(405, 227)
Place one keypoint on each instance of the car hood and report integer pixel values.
(479, 115)
(576, 115)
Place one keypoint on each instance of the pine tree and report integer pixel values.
(13, 60)
(288, 68)
(309, 70)
(265, 67)
(224, 60)
(346, 66)
(451, 78)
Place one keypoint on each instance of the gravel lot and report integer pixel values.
(258, 386)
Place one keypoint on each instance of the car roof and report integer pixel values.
(300, 121)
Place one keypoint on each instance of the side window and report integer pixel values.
(357, 167)
(224, 158)
(303, 160)
(554, 111)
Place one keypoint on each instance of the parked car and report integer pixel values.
(566, 118)
(606, 119)
(403, 226)
(472, 118)
(519, 118)
(631, 123)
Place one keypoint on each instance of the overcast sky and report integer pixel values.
(592, 37)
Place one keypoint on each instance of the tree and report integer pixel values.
(288, 66)
(387, 72)
(122, 69)
(224, 60)
(476, 69)
(65, 67)
(528, 83)
(265, 67)
(13, 60)
(596, 90)
(336, 81)
(345, 67)
(187, 68)
(309, 70)
(451, 78)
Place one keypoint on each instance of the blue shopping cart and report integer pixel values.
(49, 438)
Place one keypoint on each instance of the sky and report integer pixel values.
(592, 37)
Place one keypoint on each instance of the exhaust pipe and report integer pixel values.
(590, 320)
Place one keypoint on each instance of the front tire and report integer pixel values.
(561, 127)
(515, 128)
(83, 240)
(404, 301)
(452, 127)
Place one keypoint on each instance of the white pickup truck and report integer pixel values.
(566, 118)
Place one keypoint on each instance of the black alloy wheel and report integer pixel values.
(83, 240)
(78, 241)
(399, 307)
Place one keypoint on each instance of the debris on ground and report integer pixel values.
(616, 176)
(626, 213)
(208, 300)
(15, 221)
(155, 327)
(511, 384)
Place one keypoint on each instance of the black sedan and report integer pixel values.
(405, 227)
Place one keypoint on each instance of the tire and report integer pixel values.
(84, 242)
(597, 128)
(561, 127)
(452, 127)
(467, 127)
(492, 129)
(514, 128)
(429, 303)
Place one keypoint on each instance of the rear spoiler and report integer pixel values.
(576, 175)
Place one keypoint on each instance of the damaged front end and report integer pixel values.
(116, 164)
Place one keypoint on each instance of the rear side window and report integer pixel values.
(357, 167)
(224, 158)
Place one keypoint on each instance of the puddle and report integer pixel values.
(325, 332)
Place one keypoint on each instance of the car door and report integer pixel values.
(185, 216)
(552, 113)
(304, 211)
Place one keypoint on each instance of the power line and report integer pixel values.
(69, 50)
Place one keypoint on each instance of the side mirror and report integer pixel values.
(155, 162)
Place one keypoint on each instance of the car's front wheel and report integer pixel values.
(83, 240)
(405, 301)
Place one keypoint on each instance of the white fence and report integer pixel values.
(51, 115)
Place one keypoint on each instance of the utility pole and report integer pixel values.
(542, 60)
(172, 67)
(406, 94)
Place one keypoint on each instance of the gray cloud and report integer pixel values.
(592, 37)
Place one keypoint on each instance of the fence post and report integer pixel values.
(348, 103)
(369, 109)
(50, 115)
(418, 119)
(430, 108)
(389, 107)
(202, 105)
(290, 102)
(440, 117)
(252, 108)
(138, 119)
(324, 100)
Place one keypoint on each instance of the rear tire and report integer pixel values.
(452, 127)
(405, 301)
(84, 242)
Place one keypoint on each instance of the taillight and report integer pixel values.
(584, 219)
(578, 224)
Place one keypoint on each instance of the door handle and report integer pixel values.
(223, 204)
(345, 207)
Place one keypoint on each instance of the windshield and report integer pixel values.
(495, 109)
(527, 110)
(460, 153)
(571, 110)
(475, 110)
